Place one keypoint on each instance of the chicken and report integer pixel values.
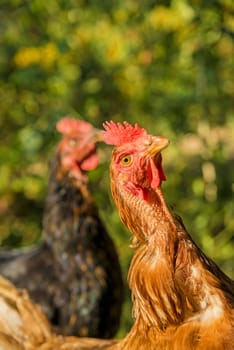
(75, 273)
(181, 299)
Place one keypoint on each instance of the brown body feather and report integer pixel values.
(181, 299)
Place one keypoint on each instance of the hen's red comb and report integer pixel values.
(68, 125)
(117, 134)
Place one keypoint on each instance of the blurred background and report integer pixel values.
(167, 65)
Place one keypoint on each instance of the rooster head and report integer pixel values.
(136, 161)
(77, 149)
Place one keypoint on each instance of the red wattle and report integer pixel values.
(90, 163)
(155, 173)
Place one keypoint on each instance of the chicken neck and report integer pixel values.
(167, 271)
(67, 204)
(151, 274)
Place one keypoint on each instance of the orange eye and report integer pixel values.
(73, 142)
(126, 160)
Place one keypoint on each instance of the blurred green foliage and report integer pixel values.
(167, 65)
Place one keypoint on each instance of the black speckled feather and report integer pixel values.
(75, 274)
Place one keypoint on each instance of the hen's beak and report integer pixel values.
(93, 136)
(98, 135)
(158, 143)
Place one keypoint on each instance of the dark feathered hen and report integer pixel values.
(75, 274)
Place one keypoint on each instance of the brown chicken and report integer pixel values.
(75, 274)
(181, 299)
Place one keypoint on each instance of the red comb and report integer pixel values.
(117, 134)
(67, 125)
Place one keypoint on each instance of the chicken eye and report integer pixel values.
(72, 142)
(126, 160)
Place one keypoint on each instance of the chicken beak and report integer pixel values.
(94, 136)
(98, 135)
(158, 143)
(155, 171)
